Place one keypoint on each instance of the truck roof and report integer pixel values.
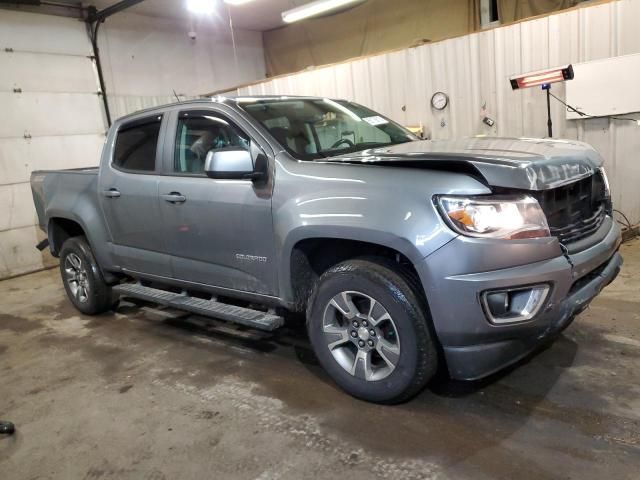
(221, 99)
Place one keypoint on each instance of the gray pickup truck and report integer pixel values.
(405, 255)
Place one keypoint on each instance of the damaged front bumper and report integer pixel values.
(473, 346)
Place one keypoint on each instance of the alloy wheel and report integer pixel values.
(361, 335)
(76, 277)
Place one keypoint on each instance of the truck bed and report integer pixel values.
(62, 189)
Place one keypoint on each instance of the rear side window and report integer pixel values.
(136, 145)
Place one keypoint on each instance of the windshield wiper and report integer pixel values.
(365, 145)
(380, 144)
(358, 147)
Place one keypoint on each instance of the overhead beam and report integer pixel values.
(101, 15)
(22, 2)
(58, 8)
(94, 19)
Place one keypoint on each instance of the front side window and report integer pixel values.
(320, 127)
(200, 133)
(137, 144)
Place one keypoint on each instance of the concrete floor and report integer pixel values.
(139, 395)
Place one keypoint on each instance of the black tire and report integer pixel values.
(391, 287)
(99, 297)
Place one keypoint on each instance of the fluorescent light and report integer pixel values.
(201, 7)
(237, 2)
(542, 77)
(316, 8)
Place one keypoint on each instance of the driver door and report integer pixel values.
(218, 232)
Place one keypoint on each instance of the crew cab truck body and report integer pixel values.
(402, 253)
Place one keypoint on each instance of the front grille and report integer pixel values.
(576, 210)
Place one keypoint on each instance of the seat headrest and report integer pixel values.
(280, 133)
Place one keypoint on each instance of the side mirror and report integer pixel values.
(231, 163)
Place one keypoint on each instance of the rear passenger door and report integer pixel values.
(128, 190)
(218, 232)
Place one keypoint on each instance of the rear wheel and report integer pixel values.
(83, 279)
(369, 330)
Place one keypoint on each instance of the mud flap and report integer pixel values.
(43, 244)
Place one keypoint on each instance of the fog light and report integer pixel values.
(514, 304)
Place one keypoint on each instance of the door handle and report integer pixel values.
(174, 197)
(111, 193)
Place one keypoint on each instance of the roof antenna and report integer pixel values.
(177, 97)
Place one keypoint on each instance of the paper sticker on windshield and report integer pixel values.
(375, 120)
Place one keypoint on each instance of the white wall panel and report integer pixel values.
(343, 80)
(19, 157)
(57, 120)
(474, 71)
(45, 72)
(599, 35)
(616, 78)
(151, 56)
(121, 105)
(628, 38)
(43, 33)
(361, 83)
(17, 207)
(40, 114)
(18, 253)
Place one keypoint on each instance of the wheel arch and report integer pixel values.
(60, 229)
(311, 255)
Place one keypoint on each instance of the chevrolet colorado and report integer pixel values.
(403, 254)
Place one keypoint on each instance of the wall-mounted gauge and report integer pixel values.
(439, 101)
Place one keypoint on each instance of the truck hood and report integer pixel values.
(520, 163)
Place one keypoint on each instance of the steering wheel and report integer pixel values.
(345, 141)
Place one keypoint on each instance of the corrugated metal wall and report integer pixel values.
(473, 70)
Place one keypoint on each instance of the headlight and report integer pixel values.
(505, 217)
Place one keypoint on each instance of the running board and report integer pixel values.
(208, 308)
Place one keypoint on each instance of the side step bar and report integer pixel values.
(208, 308)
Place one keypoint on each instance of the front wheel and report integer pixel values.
(82, 278)
(369, 331)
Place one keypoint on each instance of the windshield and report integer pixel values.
(317, 128)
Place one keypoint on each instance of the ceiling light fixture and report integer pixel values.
(237, 2)
(201, 7)
(316, 8)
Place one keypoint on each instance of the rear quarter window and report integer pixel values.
(137, 145)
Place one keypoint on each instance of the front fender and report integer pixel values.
(391, 207)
